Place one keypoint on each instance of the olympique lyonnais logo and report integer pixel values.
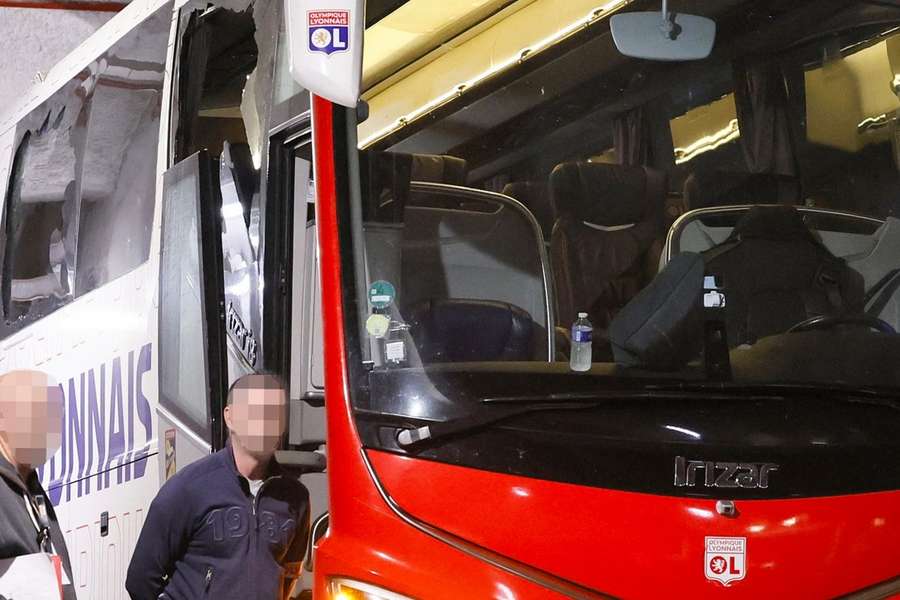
(329, 31)
(725, 559)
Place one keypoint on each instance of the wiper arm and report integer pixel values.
(507, 407)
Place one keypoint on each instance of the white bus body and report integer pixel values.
(102, 345)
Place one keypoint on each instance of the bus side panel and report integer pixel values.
(101, 351)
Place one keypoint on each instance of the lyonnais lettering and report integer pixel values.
(722, 474)
(324, 18)
(329, 31)
(107, 428)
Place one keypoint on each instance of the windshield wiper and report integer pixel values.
(507, 407)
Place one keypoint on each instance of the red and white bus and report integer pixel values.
(407, 232)
(726, 215)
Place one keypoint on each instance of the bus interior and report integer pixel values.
(569, 177)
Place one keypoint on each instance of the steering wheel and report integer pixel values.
(829, 321)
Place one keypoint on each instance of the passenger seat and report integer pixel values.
(536, 197)
(606, 241)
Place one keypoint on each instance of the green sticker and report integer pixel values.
(381, 294)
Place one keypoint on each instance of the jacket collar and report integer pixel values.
(226, 455)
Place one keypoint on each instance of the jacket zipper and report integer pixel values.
(259, 492)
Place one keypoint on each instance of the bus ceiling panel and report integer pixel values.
(575, 95)
(543, 84)
(478, 64)
(557, 89)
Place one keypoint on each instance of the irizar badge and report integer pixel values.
(725, 559)
(329, 31)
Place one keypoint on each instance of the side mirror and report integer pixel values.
(325, 38)
(663, 35)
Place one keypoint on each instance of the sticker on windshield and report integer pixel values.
(381, 294)
(725, 559)
(329, 31)
(377, 325)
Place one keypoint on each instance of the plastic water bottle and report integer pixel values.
(582, 331)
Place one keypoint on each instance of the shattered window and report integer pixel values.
(41, 207)
(224, 72)
(79, 205)
(118, 186)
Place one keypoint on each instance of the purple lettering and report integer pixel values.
(116, 438)
(75, 414)
(96, 422)
(143, 409)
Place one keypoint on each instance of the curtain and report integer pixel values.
(764, 113)
(642, 137)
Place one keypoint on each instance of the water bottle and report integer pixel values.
(582, 331)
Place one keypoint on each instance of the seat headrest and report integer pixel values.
(780, 223)
(435, 168)
(536, 198)
(607, 195)
(526, 192)
(719, 188)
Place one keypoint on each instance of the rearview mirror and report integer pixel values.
(325, 38)
(663, 35)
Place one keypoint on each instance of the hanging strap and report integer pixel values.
(40, 518)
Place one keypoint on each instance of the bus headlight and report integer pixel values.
(347, 589)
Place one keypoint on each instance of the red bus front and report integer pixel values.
(728, 226)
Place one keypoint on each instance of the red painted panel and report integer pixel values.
(630, 545)
(366, 540)
(640, 545)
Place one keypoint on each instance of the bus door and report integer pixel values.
(296, 311)
(192, 363)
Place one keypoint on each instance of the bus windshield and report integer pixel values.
(732, 219)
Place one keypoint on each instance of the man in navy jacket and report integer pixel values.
(232, 525)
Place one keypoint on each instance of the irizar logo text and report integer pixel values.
(722, 474)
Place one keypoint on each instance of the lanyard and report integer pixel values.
(37, 509)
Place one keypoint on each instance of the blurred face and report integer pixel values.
(31, 408)
(256, 416)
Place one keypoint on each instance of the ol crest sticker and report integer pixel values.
(329, 30)
(725, 559)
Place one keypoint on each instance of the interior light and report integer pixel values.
(525, 53)
(348, 589)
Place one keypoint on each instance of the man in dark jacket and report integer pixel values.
(232, 525)
(30, 431)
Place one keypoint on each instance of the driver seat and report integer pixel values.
(776, 273)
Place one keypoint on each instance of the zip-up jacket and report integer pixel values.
(206, 536)
(18, 535)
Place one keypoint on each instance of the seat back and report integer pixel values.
(536, 197)
(606, 241)
(776, 273)
(436, 168)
